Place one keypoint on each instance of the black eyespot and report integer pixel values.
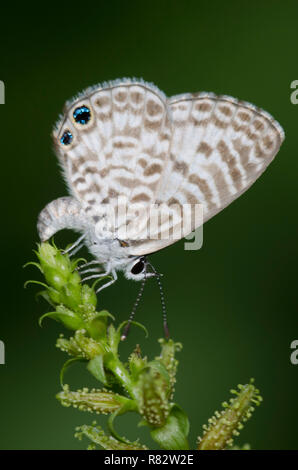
(138, 267)
(66, 138)
(82, 115)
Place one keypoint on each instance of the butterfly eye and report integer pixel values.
(82, 115)
(66, 138)
(138, 267)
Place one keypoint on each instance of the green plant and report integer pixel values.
(142, 386)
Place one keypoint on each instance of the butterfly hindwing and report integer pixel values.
(219, 147)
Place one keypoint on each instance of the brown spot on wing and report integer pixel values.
(230, 160)
(120, 144)
(102, 101)
(142, 197)
(153, 169)
(220, 124)
(243, 116)
(268, 142)
(203, 187)
(153, 108)
(220, 181)
(226, 110)
(181, 167)
(204, 148)
(203, 106)
(258, 125)
(121, 96)
(152, 125)
(242, 150)
(137, 97)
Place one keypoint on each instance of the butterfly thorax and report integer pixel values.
(114, 255)
(107, 250)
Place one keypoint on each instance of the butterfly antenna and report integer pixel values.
(163, 306)
(163, 303)
(131, 316)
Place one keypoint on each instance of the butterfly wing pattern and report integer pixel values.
(125, 138)
(219, 147)
(122, 150)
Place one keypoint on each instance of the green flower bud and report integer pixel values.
(97, 436)
(243, 447)
(66, 282)
(136, 362)
(55, 266)
(69, 346)
(63, 263)
(54, 295)
(54, 277)
(225, 425)
(97, 401)
(75, 278)
(71, 295)
(46, 254)
(152, 397)
(88, 295)
(167, 358)
(88, 346)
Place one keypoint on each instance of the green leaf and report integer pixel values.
(45, 295)
(66, 366)
(104, 313)
(54, 295)
(95, 366)
(110, 423)
(173, 434)
(113, 339)
(69, 319)
(97, 327)
(75, 262)
(32, 263)
(35, 282)
(133, 323)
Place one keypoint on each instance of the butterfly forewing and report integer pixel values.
(123, 148)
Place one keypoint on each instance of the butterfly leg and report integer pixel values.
(82, 268)
(75, 247)
(96, 276)
(90, 270)
(110, 282)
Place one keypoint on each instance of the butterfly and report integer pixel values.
(125, 138)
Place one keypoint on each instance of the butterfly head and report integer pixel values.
(137, 269)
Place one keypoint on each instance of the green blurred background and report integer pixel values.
(233, 303)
